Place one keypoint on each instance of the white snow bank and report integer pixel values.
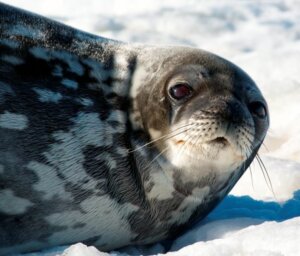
(81, 249)
(284, 175)
(268, 239)
(234, 237)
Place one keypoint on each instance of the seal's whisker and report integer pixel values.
(248, 134)
(263, 172)
(266, 175)
(251, 176)
(248, 154)
(261, 141)
(247, 129)
(157, 156)
(166, 136)
(184, 145)
(250, 142)
(265, 146)
(188, 141)
(197, 139)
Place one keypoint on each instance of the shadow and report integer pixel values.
(247, 207)
(237, 213)
(232, 214)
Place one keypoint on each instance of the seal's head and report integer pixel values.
(204, 113)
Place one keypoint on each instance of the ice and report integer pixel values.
(262, 37)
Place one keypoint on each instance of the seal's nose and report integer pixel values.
(230, 111)
(236, 112)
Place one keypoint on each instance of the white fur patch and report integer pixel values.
(46, 95)
(4, 89)
(13, 121)
(138, 79)
(197, 155)
(85, 102)
(71, 84)
(67, 157)
(101, 216)
(27, 31)
(120, 88)
(189, 204)
(40, 53)
(121, 74)
(66, 154)
(155, 133)
(12, 59)
(71, 60)
(90, 130)
(48, 182)
(11, 204)
(10, 43)
(97, 70)
(121, 60)
(162, 188)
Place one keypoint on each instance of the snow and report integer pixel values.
(249, 238)
(262, 37)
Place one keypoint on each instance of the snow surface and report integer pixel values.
(262, 37)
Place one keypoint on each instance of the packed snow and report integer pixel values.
(262, 37)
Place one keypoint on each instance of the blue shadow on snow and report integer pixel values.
(247, 207)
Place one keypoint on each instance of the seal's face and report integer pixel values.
(216, 118)
(210, 122)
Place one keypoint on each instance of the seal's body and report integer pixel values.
(112, 144)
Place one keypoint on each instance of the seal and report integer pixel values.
(114, 144)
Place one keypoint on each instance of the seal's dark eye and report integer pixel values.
(257, 108)
(180, 91)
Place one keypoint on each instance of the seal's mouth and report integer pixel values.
(221, 141)
(219, 151)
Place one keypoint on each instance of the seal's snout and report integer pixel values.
(222, 131)
(231, 111)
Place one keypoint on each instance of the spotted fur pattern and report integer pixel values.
(72, 108)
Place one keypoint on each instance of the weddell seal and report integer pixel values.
(113, 144)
